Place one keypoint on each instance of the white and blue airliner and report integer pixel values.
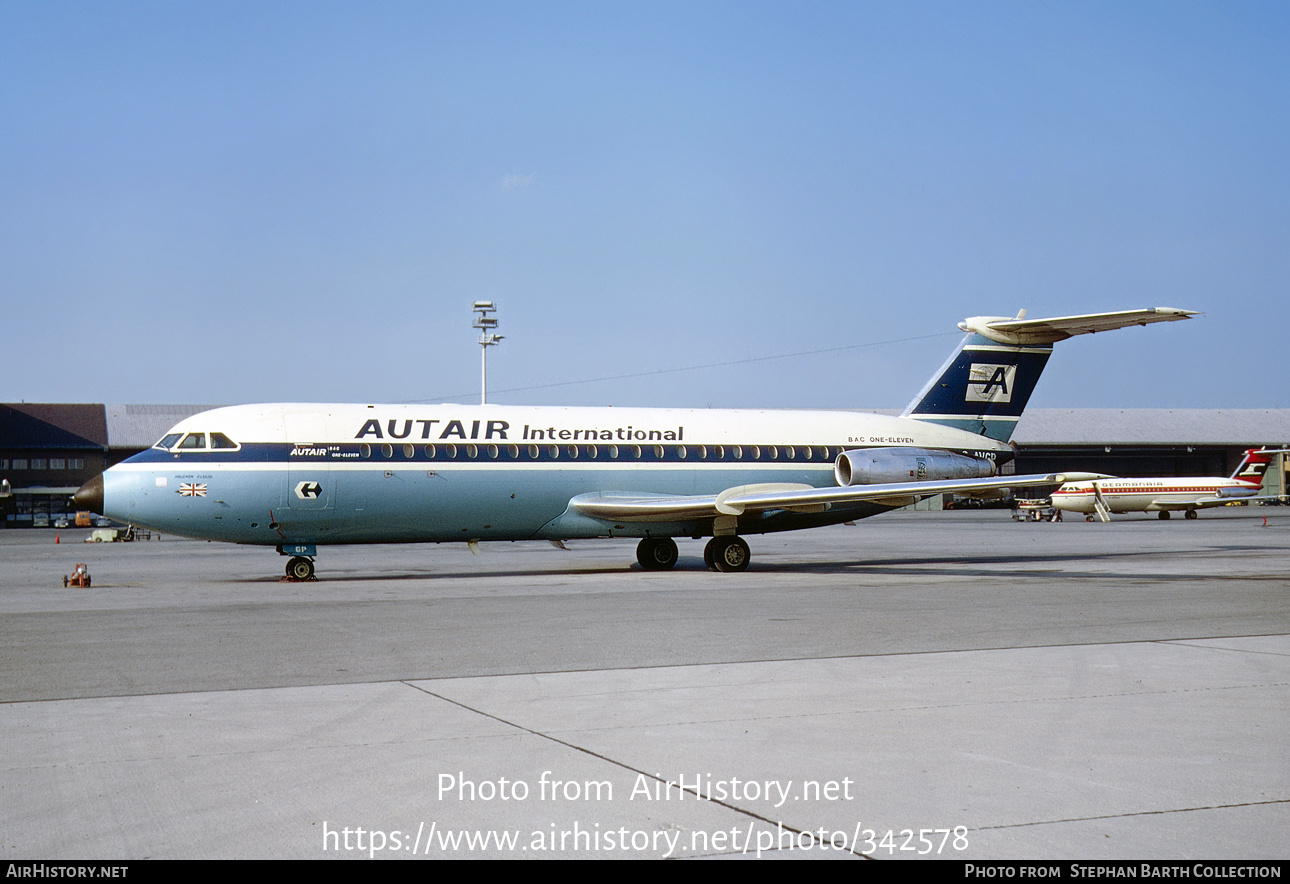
(300, 476)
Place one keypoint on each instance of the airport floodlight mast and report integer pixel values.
(485, 323)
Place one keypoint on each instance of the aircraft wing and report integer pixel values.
(743, 499)
(1221, 497)
(1178, 505)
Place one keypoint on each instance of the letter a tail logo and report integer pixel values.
(990, 383)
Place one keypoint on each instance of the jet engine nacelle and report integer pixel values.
(880, 466)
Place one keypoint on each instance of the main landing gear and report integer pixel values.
(727, 552)
(300, 569)
(656, 553)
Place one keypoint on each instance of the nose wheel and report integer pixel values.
(300, 569)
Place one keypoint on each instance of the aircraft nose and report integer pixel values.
(90, 496)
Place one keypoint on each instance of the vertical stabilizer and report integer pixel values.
(983, 388)
(1255, 464)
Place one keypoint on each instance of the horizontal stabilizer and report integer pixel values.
(1049, 331)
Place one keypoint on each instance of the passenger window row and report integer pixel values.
(720, 453)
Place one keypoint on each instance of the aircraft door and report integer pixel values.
(310, 484)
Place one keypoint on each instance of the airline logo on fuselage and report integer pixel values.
(990, 383)
(453, 429)
(448, 430)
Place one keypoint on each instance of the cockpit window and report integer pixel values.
(195, 442)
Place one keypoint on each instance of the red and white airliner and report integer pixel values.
(1164, 495)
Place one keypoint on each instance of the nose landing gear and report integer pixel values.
(300, 569)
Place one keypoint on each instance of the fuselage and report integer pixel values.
(327, 474)
(1151, 495)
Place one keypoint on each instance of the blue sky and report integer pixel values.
(236, 202)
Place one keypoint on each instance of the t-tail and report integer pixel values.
(985, 385)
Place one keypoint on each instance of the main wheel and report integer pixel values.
(1164, 514)
(300, 568)
(1191, 514)
(709, 554)
(730, 553)
(656, 553)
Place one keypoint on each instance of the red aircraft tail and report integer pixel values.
(1254, 465)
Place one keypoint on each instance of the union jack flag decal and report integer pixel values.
(191, 489)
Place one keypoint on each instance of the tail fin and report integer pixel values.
(1255, 464)
(986, 383)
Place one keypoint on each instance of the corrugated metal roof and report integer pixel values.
(1235, 427)
(139, 426)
